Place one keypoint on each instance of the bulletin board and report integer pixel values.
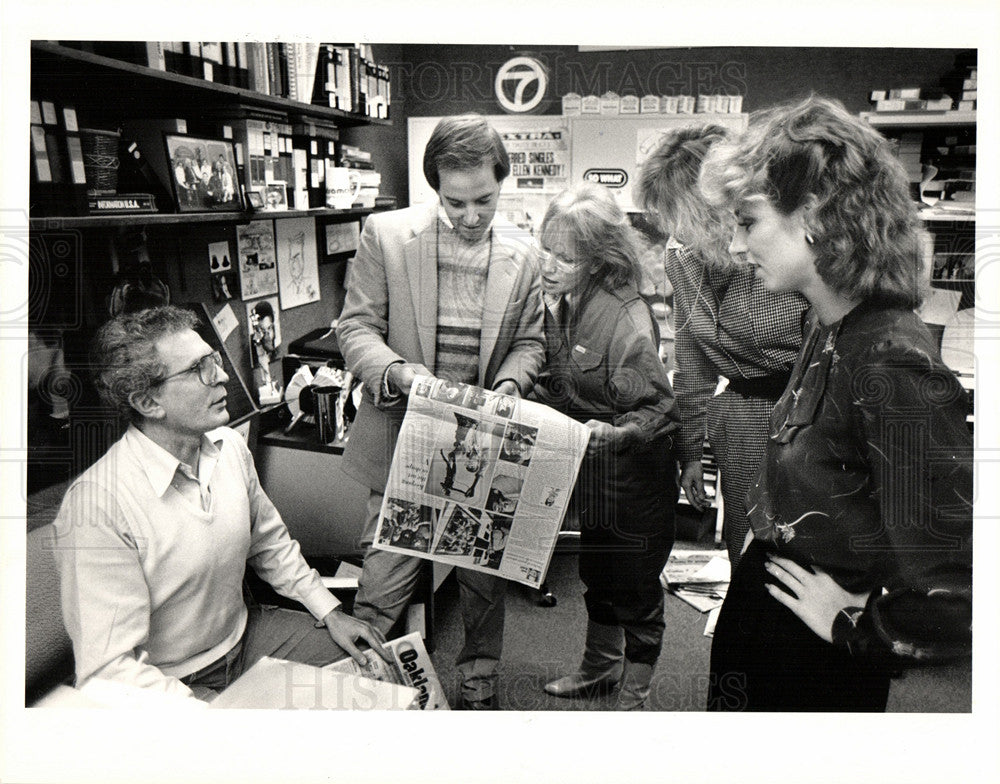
(600, 147)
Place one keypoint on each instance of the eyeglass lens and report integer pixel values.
(208, 368)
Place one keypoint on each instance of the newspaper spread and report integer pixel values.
(411, 666)
(480, 480)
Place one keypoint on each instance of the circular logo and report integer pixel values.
(520, 84)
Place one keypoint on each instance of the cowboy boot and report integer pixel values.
(634, 687)
(600, 668)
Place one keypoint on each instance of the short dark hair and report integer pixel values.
(864, 224)
(465, 141)
(124, 360)
(264, 309)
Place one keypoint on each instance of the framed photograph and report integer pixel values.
(275, 196)
(204, 174)
(264, 330)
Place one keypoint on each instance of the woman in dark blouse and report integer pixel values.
(603, 369)
(861, 558)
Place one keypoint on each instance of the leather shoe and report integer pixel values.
(578, 685)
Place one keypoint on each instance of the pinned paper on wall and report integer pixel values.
(225, 322)
(257, 264)
(342, 237)
(298, 267)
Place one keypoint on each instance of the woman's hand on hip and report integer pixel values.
(817, 597)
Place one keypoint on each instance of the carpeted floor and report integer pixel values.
(543, 643)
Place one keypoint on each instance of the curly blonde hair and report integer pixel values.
(863, 222)
(667, 188)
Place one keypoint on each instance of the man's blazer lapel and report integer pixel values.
(500, 282)
(419, 254)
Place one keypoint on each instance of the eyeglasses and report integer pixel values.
(563, 263)
(207, 367)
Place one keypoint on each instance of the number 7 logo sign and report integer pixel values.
(520, 84)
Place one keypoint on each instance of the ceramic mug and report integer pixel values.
(342, 187)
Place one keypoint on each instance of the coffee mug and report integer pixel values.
(342, 187)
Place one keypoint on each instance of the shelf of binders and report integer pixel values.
(49, 59)
(919, 119)
(185, 218)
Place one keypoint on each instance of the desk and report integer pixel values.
(322, 506)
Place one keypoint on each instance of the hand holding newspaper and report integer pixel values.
(411, 666)
(480, 480)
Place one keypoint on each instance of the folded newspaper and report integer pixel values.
(698, 577)
(480, 480)
(411, 666)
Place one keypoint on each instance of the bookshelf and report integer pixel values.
(920, 119)
(77, 260)
(183, 219)
(146, 86)
(939, 151)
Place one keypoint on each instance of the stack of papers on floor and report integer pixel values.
(698, 577)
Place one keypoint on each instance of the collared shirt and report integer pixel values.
(151, 558)
(726, 324)
(602, 363)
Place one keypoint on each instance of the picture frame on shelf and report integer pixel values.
(275, 196)
(338, 239)
(204, 177)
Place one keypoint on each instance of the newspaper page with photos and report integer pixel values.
(411, 666)
(480, 480)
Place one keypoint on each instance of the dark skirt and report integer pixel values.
(765, 659)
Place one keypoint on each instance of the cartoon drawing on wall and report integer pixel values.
(298, 267)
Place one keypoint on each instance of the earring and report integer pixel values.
(809, 239)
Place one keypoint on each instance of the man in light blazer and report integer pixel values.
(451, 290)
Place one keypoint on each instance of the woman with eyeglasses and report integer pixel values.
(862, 511)
(603, 369)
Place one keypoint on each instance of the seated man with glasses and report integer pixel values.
(152, 541)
